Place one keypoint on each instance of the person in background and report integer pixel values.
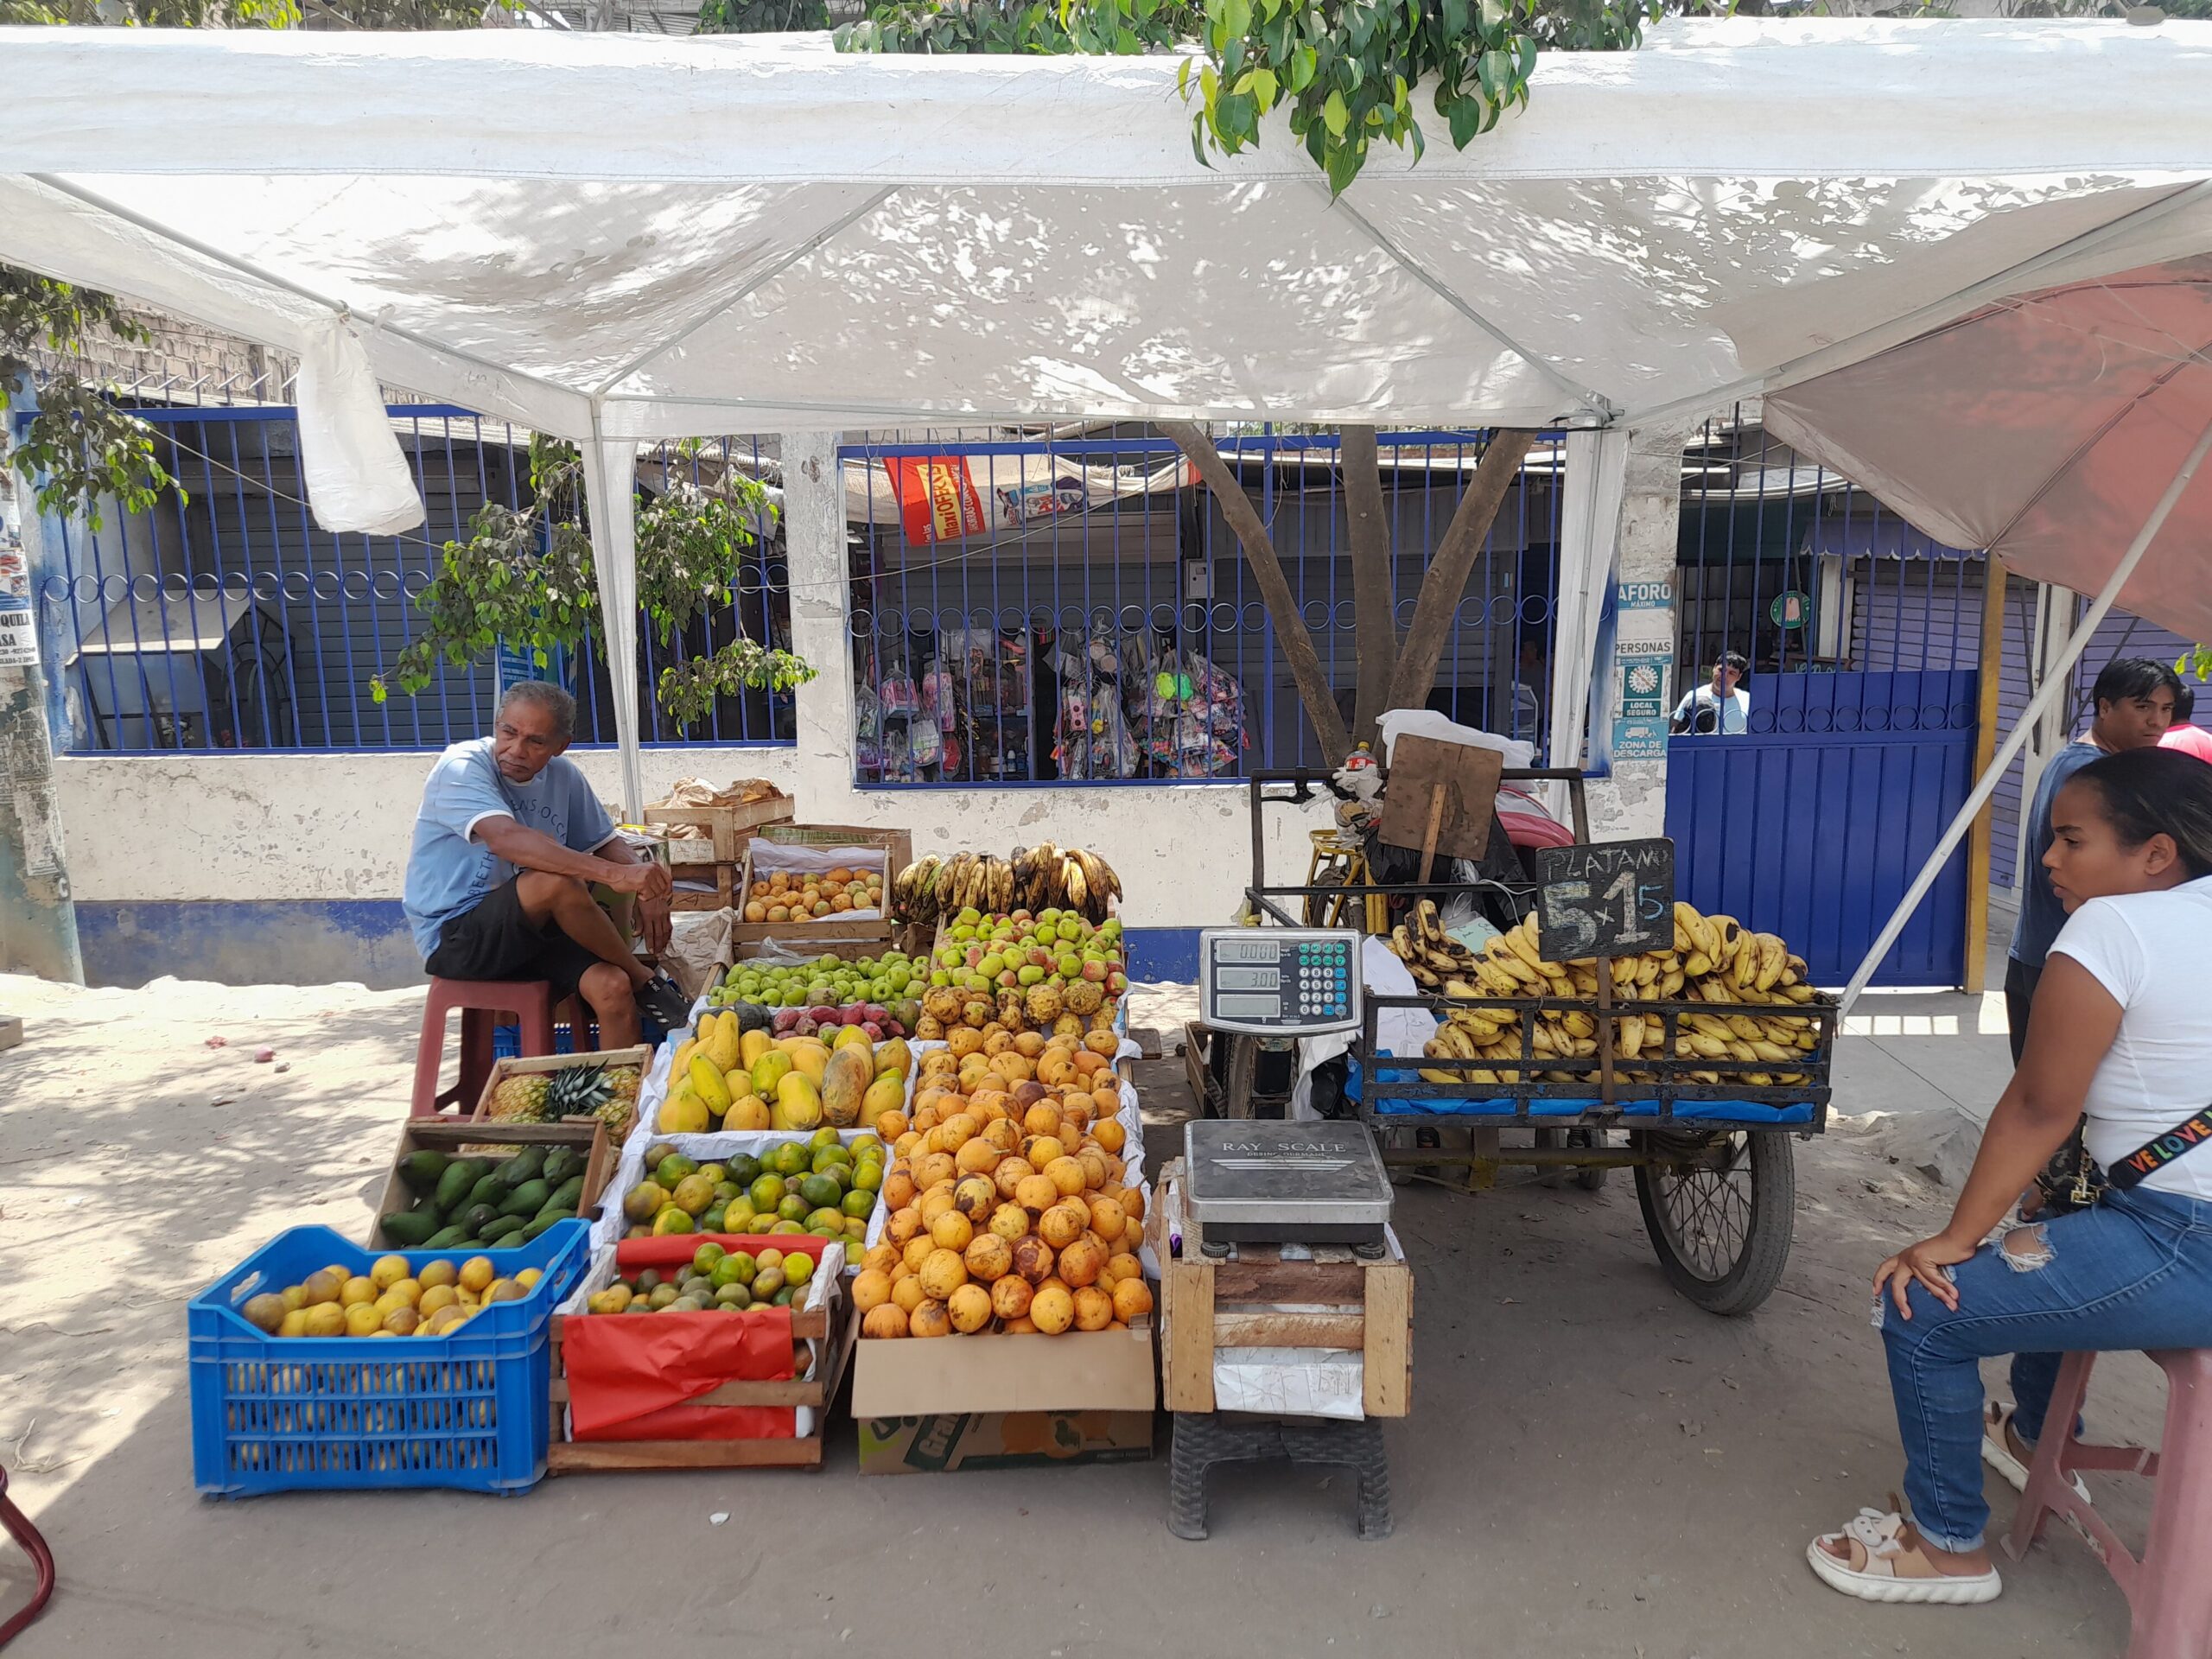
(1720, 704)
(508, 840)
(2182, 735)
(2119, 1033)
(2134, 699)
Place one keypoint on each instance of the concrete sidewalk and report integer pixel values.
(1593, 1466)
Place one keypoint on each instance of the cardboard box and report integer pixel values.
(1077, 1370)
(1022, 1439)
(898, 849)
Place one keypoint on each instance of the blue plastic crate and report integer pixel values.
(506, 1040)
(469, 1410)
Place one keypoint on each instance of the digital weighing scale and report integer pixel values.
(1279, 981)
(1259, 1182)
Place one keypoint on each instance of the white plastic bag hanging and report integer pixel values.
(357, 478)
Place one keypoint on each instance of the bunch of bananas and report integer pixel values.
(1045, 877)
(933, 887)
(1713, 960)
(1066, 878)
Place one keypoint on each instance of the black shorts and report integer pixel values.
(496, 941)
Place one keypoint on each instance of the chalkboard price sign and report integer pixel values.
(1612, 899)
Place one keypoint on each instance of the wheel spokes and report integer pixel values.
(1707, 1211)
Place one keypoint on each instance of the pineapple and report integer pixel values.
(608, 1093)
(521, 1099)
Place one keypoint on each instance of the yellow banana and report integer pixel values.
(1697, 965)
(1707, 1046)
(1671, 983)
(1767, 1051)
(1689, 922)
(1743, 968)
(1799, 994)
(1522, 940)
(1434, 1076)
(1579, 1025)
(1773, 958)
(1632, 1035)
(1741, 1051)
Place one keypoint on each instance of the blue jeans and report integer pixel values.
(2135, 1271)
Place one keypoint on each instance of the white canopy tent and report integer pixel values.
(618, 239)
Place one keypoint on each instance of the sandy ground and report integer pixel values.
(1594, 1467)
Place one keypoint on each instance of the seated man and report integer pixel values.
(507, 843)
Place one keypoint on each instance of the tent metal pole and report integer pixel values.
(2054, 683)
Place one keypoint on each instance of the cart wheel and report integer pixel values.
(1721, 1230)
(1590, 1140)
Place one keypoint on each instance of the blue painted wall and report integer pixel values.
(321, 942)
(307, 942)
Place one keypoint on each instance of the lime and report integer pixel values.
(707, 1255)
(737, 1214)
(784, 1229)
(791, 1208)
(833, 1154)
(735, 1268)
(715, 1220)
(768, 1192)
(824, 1137)
(792, 1158)
(819, 1192)
(672, 1169)
(856, 1253)
(744, 1170)
(798, 1268)
(833, 1219)
(869, 1178)
(672, 1220)
(859, 1202)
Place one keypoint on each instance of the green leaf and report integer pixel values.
(1301, 69)
(1235, 17)
(1263, 87)
(1183, 78)
(1335, 116)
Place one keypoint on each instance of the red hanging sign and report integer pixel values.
(937, 501)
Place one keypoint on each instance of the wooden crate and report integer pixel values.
(1259, 1300)
(720, 856)
(837, 1322)
(641, 1057)
(897, 846)
(455, 1138)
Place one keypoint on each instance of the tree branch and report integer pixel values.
(1291, 632)
(1449, 568)
(1373, 593)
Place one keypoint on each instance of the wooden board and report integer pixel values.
(1468, 777)
(728, 828)
(1261, 1300)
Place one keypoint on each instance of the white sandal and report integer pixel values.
(1997, 1450)
(1887, 1563)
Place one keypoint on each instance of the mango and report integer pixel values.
(811, 1056)
(682, 1113)
(752, 1046)
(894, 1055)
(853, 1037)
(798, 1104)
(845, 1084)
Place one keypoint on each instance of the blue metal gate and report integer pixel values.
(1812, 822)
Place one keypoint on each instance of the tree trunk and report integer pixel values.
(1374, 591)
(1448, 569)
(1291, 633)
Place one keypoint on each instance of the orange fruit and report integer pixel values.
(941, 1274)
(1011, 1172)
(1062, 1223)
(1010, 1222)
(928, 1319)
(1110, 1134)
(907, 1295)
(1081, 1263)
(1132, 1299)
(951, 1231)
(871, 1290)
(970, 1308)
(988, 1257)
(1037, 1193)
(1094, 1309)
(1010, 1297)
(1065, 1173)
(885, 1319)
(1108, 1219)
(1052, 1310)
(919, 1249)
(1033, 1259)
(977, 1157)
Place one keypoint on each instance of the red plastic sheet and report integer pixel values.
(632, 1379)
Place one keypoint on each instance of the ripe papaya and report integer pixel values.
(845, 1084)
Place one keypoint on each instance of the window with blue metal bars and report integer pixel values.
(226, 619)
(1073, 610)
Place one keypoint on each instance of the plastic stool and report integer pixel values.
(1203, 1439)
(2169, 1594)
(531, 1001)
(19, 1527)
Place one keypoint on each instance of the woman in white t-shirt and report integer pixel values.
(2121, 1031)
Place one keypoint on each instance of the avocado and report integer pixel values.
(422, 1170)
(489, 1189)
(545, 1220)
(476, 1215)
(561, 1163)
(407, 1229)
(526, 1200)
(496, 1230)
(566, 1196)
(522, 1168)
(445, 1239)
(461, 1175)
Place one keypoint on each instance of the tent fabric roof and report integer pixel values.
(646, 238)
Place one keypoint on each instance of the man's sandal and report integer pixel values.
(1997, 1450)
(1885, 1560)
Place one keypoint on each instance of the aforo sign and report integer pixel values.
(937, 501)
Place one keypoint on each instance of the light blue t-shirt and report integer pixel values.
(448, 874)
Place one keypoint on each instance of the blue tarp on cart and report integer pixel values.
(1702, 1111)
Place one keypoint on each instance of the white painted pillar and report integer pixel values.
(1638, 687)
(814, 546)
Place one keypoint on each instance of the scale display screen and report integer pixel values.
(1248, 979)
(1279, 981)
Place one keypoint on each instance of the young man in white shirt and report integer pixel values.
(1717, 705)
